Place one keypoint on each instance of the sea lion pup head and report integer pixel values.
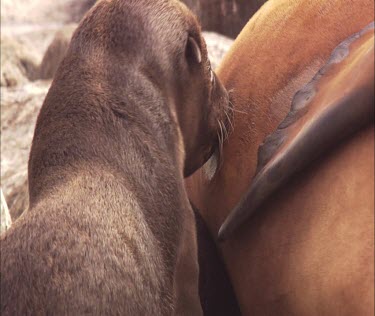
(168, 52)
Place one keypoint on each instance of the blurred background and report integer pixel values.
(34, 37)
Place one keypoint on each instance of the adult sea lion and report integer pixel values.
(337, 103)
(133, 108)
(308, 250)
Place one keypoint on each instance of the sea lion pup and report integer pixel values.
(133, 108)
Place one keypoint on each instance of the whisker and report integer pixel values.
(226, 135)
(221, 131)
(220, 151)
(229, 121)
(230, 93)
(234, 109)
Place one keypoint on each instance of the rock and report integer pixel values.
(55, 52)
(19, 109)
(217, 46)
(18, 65)
(227, 17)
(79, 8)
(33, 38)
(5, 220)
(43, 12)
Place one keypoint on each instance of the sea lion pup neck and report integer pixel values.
(133, 107)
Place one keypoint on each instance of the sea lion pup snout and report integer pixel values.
(133, 108)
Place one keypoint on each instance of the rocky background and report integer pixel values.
(226, 17)
(34, 38)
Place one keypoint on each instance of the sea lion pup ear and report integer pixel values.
(193, 52)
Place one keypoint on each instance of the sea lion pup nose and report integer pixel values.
(133, 107)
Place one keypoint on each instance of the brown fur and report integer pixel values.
(110, 230)
(310, 250)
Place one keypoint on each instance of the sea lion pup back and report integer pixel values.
(133, 108)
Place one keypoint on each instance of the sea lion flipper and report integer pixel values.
(337, 102)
